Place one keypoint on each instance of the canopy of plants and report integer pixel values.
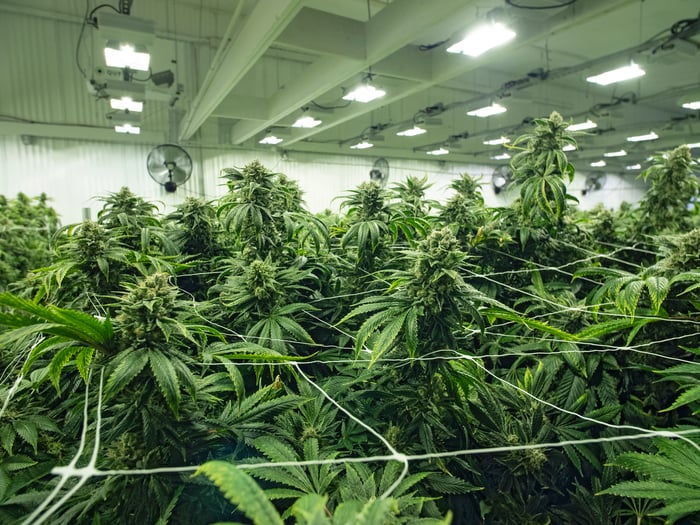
(402, 361)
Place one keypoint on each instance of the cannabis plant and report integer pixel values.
(673, 185)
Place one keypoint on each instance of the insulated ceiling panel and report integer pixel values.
(243, 68)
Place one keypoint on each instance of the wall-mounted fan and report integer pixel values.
(594, 183)
(380, 171)
(500, 178)
(169, 165)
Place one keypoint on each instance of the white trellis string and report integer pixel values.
(396, 455)
(576, 414)
(69, 470)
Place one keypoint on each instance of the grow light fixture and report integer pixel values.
(617, 75)
(126, 104)
(497, 142)
(411, 132)
(502, 156)
(619, 153)
(632, 167)
(439, 151)
(124, 54)
(641, 138)
(306, 121)
(365, 93)
(598, 164)
(589, 124)
(487, 111)
(694, 145)
(692, 105)
(363, 144)
(569, 147)
(270, 139)
(127, 128)
(483, 38)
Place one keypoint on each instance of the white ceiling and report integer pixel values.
(245, 67)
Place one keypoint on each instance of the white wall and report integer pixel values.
(74, 173)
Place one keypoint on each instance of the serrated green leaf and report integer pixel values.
(241, 490)
(130, 364)
(166, 378)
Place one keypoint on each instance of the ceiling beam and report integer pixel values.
(264, 24)
(324, 33)
(446, 66)
(384, 36)
(242, 107)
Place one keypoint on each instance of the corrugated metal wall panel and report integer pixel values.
(43, 83)
(74, 173)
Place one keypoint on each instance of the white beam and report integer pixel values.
(242, 107)
(325, 34)
(396, 26)
(446, 66)
(267, 20)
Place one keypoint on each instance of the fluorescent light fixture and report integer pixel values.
(487, 111)
(362, 145)
(598, 164)
(619, 153)
(634, 167)
(365, 93)
(617, 75)
(270, 139)
(126, 104)
(589, 124)
(483, 38)
(569, 147)
(306, 121)
(692, 105)
(412, 132)
(694, 145)
(502, 156)
(641, 138)
(127, 128)
(439, 151)
(497, 142)
(124, 55)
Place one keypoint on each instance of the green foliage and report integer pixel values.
(671, 475)
(222, 330)
(664, 207)
(27, 226)
(542, 168)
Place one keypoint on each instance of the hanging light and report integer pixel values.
(487, 111)
(364, 93)
(632, 167)
(363, 144)
(411, 132)
(589, 124)
(598, 164)
(127, 128)
(569, 147)
(497, 142)
(641, 138)
(270, 139)
(438, 151)
(619, 153)
(306, 121)
(617, 75)
(695, 104)
(502, 156)
(126, 104)
(483, 38)
(124, 54)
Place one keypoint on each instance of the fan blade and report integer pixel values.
(180, 175)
